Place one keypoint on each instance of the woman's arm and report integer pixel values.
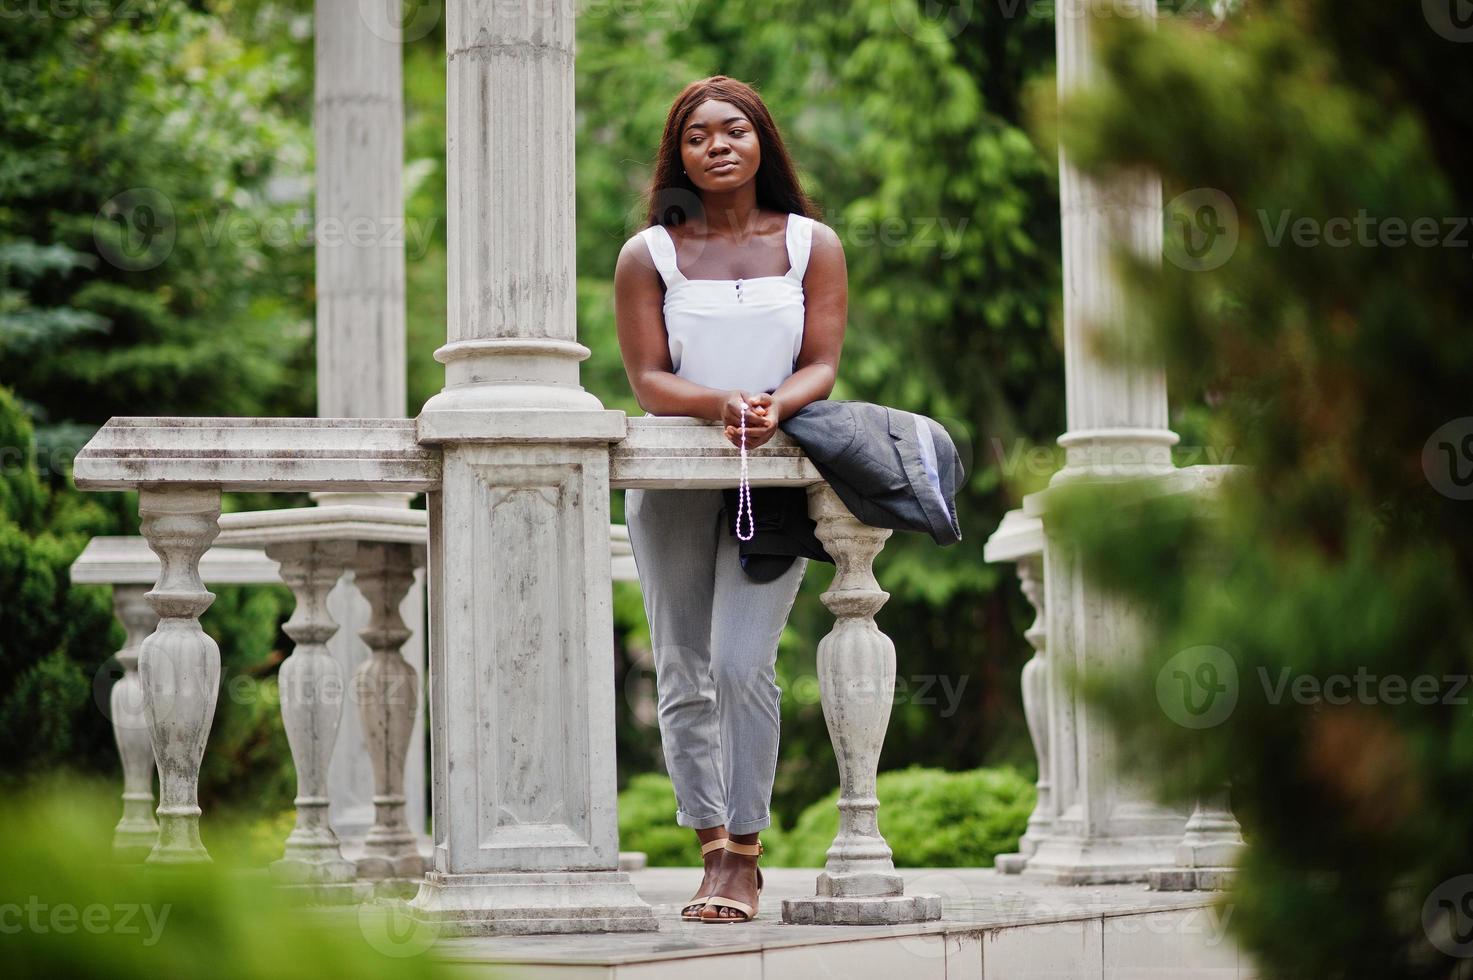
(638, 314)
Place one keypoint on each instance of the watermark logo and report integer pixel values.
(1451, 19)
(135, 229)
(391, 20)
(1447, 916)
(392, 929)
(1198, 688)
(1201, 229)
(1447, 459)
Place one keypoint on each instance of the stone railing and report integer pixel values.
(181, 466)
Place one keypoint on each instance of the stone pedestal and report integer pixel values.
(521, 633)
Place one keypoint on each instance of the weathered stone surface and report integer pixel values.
(273, 455)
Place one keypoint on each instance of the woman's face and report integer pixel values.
(719, 148)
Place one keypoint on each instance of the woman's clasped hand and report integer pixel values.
(761, 421)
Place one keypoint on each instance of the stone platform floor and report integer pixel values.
(998, 927)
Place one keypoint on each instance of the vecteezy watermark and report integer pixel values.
(391, 20)
(1451, 19)
(1201, 230)
(138, 228)
(135, 229)
(65, 918)
(1447, 459)
(940, 691)
(72, 9)
(1363, 687)
(1198, 687)
(1447, 916)
(1024, 457)
(951, 17)
(124, 707)
(392, 929)
(1370, 231)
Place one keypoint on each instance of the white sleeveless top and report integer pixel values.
(734, 333)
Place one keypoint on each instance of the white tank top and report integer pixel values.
(734, 333)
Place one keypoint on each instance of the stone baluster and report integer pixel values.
(856, 679)
(1035, 712)
(312, 689)
(386, 689)
(137, 831)
(179, 664)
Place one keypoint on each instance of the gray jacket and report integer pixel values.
(891, 468)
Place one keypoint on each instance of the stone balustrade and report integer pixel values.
(181, 466)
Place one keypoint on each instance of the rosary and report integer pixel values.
(744, 487)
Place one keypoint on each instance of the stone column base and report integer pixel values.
(1099, 860)
(518, 903)
(1191, 879)
(885, 911)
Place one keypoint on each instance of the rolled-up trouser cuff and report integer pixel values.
(749, 826)
(684, 819)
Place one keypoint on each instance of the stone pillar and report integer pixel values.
(137, 831)
(856, 682)
(312, 693)
(525, 834)
(1116, 406)
(1106, 829)
(358, 122)
(386, 690)
(179, 664)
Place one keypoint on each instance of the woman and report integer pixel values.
(734, 313)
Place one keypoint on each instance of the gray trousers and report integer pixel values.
(714, 634)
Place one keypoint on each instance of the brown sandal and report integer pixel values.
(699, 902)
(749, 912)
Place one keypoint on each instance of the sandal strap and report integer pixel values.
(751, 850)
(712, 845)
(731, 903)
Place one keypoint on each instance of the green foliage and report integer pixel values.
(1339, 372)
(930, 818)
(72, 912)
(47, 715)
(140, 273)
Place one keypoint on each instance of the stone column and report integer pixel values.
(137, 831)
(1106, 828)
(179, 664)
(525, 834)
(358, 121)
(386, 690)
(856, 682)
(312, 693)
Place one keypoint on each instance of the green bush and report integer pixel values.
(68, 911)
(931, 818)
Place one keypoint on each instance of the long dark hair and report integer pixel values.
(672, 193)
